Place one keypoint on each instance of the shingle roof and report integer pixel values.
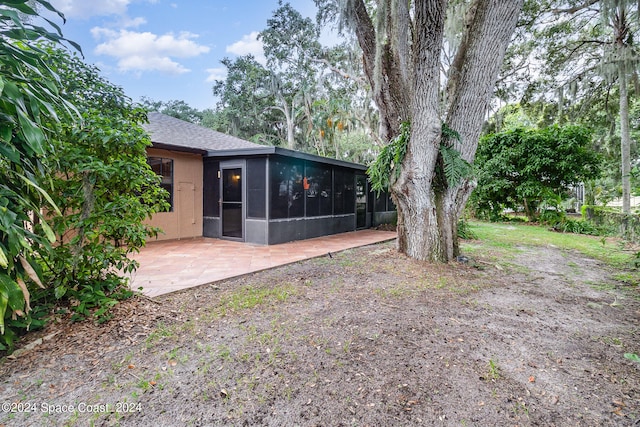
(168, 131)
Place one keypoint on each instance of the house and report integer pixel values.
(225, 187)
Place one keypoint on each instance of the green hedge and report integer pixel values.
(625, 225)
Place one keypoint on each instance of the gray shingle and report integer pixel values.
(168, 130)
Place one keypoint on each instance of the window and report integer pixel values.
(381, 201)
(256, 188)
(344, 193)
(318, 190)
(286, 189)
(164, 168)
(278, 181)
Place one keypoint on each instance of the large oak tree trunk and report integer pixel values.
(418, 200)
(470, 87)
(428, 210)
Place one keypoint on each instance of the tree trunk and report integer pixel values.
(419, 202)
(490, 25)
(625, 138)
(290, 122)
(428, 210)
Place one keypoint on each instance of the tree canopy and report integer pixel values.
(175, 108)
(306, 96)
(581, 56)
(522, 167)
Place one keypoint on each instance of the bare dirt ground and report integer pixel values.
(366, 338)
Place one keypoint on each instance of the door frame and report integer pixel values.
(366, 199)
(233, 164)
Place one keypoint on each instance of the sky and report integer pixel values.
(168, 49)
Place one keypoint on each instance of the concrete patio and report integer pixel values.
(169, 266)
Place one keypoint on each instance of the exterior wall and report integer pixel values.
(382, 209)
(256, 231)
(282, 231)
(185, 220)
(381, 218)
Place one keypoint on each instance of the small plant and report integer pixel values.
(162, 331)
(635, 260)
(494, 370)
(250, 297)
(464, 230)
(144, 384)
(567, 225)
(521, 408)
(633, 357)
(224, 352)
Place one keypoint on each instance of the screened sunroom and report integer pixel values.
(272, 195)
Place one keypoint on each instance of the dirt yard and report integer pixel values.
(364, 338)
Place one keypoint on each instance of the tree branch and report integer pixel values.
(338, 71)
(575, 9)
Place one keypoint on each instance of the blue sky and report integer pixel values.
(168, 49)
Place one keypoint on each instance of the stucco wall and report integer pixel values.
(185, 221)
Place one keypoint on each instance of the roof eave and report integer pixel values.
(268, 150)
(171, 147)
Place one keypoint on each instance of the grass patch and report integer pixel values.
(509, 236)
(161, 331)
(249, 297)
(628, 279)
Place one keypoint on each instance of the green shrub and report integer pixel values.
(464, 230)
(613, 221)
(528, 169)
(104, 190)
(577, 227)
(552, 216)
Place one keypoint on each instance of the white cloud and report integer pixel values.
(133, 22)
(219, 73)
(141, 63)
(145, 51)
(86, 9)
(249, 44)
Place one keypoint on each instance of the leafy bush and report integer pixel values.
(577, 227)
(28, 97)
(613, 221)
(523, 168)
(552, 216)
(105, 190)
(464, 230)
(100, 190)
